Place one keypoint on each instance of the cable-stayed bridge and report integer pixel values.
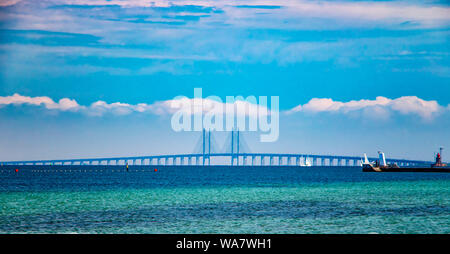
(235, 151)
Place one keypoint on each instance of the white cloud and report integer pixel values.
(197, 105)
(380, 107)
(414, 105)
(371, 10)
(168, 107)
(219, 36)
(64, 104)
(294, 11)
(374, 11)
(8, 2)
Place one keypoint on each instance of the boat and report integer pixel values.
(381, 165)
(307, 163)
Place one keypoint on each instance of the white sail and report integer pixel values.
(366, 161)
(382, 159)
(307, 163)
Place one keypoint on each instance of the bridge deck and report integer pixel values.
(254, 159)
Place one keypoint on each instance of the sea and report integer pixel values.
(221, 199)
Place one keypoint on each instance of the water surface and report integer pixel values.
(108, 199)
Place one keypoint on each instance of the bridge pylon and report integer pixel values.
(206, 147)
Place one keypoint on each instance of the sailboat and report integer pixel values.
(307, 163)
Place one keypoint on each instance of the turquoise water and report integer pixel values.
(269, 200)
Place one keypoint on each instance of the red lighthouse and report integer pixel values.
(438, 162)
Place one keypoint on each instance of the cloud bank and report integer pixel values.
(381, 107)
(168, 107)
(174, 34)
(364, 10)
(64, 104)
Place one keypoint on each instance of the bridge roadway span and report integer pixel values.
(244, 159)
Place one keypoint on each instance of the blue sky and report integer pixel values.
(328, 61)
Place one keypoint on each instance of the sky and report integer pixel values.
(86, 79)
